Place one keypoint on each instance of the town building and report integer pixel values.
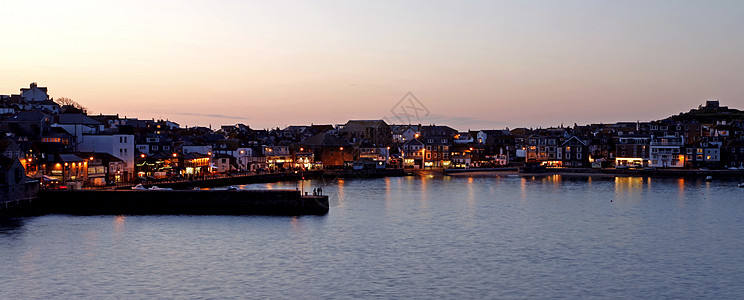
(666, 152)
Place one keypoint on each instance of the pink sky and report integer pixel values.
(474, 65)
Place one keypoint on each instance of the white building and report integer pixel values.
(119, 145)
(666, 152)
(34, 93)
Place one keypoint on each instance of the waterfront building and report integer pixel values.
(14, 184)
(632, 150)
(413, 154)
(543, 150)
(277, 157)
(573, 153)
(103, 168)
(734, 153)
(118, 145)
(68, 167)
(703, 154)
(666, 152)
(330, 151)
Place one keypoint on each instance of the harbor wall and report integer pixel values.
(180, 202)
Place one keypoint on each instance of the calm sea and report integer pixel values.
(483, 237)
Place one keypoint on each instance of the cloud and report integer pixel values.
(219, 116)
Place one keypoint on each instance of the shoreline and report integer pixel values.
(668, 173)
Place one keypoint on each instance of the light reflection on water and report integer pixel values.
(408, 237)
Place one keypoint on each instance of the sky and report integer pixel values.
(469, 64)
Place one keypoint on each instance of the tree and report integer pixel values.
(68, 104)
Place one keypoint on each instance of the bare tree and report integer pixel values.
(65, 103)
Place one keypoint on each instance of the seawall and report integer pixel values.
(652, 173)
(180, 202)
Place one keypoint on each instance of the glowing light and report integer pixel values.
(342, 148)
(91, 158)
(142, 155)
(175, 155)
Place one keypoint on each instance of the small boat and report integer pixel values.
(156, 188)
(139, 186)
(232, 188)
(741, 185)
(709, 178)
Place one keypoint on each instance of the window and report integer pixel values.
(578, 155)
(568, 155)
(166, 147)
(120, 140)
(444, 141)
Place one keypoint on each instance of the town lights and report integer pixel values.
(341, 148)
(91, 158)
(175, 155)
(142, 155)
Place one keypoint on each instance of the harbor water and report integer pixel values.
(432, 237)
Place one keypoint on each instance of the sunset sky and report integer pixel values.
(473, 64)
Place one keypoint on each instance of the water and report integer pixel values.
(426, 238)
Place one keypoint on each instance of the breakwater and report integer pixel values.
(272, 177)
(651, 172)
(180, 202)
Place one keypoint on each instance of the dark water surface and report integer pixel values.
(427, 238)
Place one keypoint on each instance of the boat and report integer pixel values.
(709, 178)
(156, 188)
(741, 185)
(139, 186)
